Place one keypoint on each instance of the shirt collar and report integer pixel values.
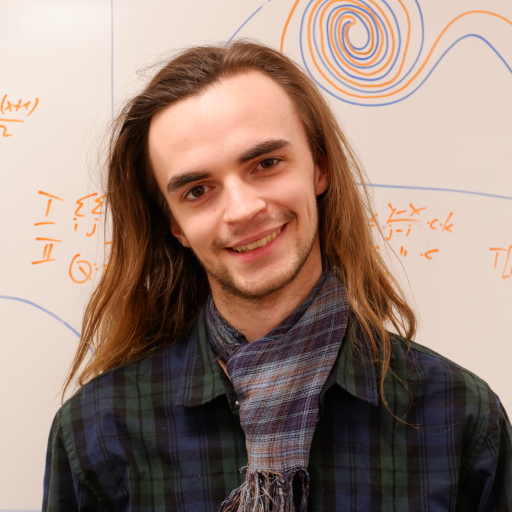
(355, 371)
(203, 380)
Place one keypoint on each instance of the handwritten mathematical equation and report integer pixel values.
(86, 209)
(400, 222)
(406, 227)
(402, 226)
(14, 111)
(503, 260)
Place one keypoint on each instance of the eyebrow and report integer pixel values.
(264, 147)
(180, 180)
(267, 146)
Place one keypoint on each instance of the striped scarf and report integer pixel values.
(278, 380)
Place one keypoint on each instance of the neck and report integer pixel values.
(256, 318)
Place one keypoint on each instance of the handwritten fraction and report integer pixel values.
(413, 230)
(86, 214)
(13, 112)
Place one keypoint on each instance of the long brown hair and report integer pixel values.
(153, 287)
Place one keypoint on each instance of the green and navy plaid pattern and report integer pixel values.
(162, 433)
(278, 379)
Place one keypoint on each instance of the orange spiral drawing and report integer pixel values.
(384, 67)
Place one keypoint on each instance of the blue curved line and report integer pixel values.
(384, 54)
(319, 54)
(346, 37)
(417, 56)
(356, 57)
(436, 189)
(386, 36)
(359, 48)
(420, 12)
(419, 85)
(53, 315)
(357, 77)
(403, 78)
(363, 23)
(243, 24)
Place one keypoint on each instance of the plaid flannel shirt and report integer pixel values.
(162, 433)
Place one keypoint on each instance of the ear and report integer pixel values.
(178, 233)
(322, 177)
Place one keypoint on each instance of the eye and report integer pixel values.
(197, 192)
(268, 163)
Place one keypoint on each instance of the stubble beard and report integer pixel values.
(224, 277)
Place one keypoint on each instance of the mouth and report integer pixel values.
(258, 243)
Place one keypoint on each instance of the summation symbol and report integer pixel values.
(80, 270)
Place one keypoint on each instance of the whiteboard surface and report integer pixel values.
(434, 137)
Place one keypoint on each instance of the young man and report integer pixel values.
(241, 356)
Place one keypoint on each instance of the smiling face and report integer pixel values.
(236, 169)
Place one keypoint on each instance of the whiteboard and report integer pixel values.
(423, 90)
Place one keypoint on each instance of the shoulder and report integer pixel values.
(134, 384)
(443, 388)
(425, 364)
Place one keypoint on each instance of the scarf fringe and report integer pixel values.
(265, 491)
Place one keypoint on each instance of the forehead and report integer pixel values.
(229, 116)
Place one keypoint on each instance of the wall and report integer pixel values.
(426, 103)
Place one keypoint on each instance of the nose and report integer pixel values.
(242, 201)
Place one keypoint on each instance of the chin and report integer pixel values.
(257, 289)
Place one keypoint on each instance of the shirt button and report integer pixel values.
(237, 403)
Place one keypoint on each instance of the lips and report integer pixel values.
(258, 243)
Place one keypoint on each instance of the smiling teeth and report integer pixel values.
(258, 243)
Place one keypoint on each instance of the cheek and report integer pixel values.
(299, 196)
(294, 190)
(200, 230)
